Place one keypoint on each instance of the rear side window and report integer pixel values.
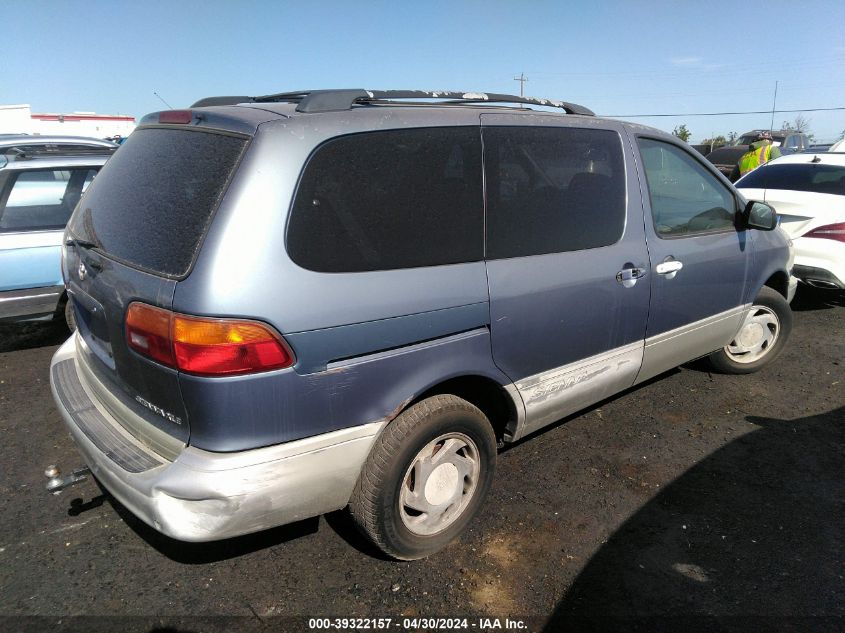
(388, 200)
(154, 199)
(43, 199)
(552, 190)
(812, 177)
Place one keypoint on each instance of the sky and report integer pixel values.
(617, 58)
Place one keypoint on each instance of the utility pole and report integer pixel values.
(521, 79)
(774, 101)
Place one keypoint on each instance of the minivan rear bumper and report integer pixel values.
(205, 496)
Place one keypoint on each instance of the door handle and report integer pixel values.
(668, 268)
(628, 276)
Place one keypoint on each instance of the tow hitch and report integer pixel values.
(57, 483)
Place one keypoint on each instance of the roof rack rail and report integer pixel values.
(26, 152)
(332, 100)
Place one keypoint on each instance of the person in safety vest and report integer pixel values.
(759, 153)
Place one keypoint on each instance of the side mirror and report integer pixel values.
(759, 215)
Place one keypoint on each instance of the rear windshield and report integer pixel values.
(814, 178)
(153, 200)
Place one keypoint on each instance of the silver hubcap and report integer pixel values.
(756, 337)
(439, 484)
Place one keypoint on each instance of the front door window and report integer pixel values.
(685, 198)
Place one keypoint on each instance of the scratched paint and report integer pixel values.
(555, 394)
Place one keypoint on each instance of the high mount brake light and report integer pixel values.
(176, 116)
(829, 231)
(205, 346)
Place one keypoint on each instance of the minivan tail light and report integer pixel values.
(222, 346)
(829, 231)
(205, 346)
(148, 332)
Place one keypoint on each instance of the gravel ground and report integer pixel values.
(693, 496)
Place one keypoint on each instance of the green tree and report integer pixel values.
(732, 136)
(682, 132)
(716, 141)
(799, 124)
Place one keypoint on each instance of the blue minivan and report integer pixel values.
(296, 303)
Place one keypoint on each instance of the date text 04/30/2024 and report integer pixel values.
(417, 624)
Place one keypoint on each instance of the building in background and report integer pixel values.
(19, 119)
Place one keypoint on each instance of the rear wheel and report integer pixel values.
(426, 477)
(761, 337)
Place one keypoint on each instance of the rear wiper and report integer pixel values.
(72, 241)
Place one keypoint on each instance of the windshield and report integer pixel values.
(747, 139)
(815, 178)
(154, 199)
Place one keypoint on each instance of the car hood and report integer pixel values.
(800, 211)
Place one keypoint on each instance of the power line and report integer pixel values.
(636, 116)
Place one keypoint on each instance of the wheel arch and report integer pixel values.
(502, 406)
(779, 282)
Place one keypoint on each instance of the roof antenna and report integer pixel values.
(162, 100)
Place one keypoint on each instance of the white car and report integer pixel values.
(808, 192)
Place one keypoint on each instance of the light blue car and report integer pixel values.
(37, 196)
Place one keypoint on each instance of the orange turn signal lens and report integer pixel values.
(148, 332)
(223, 346)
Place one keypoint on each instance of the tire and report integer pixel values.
(761, 338)
(411, 504)
(70, 317)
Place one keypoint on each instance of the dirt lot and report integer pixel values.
(691, 497)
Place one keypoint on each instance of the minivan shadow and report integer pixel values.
(212, 551)
(749, 538)
(341, 522)
(807, 299)
(16, 336)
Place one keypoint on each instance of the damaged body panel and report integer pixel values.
(552, 395)
(284, 406)
(201, 495)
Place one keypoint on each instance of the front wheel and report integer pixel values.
(761, 337)
(426, 477)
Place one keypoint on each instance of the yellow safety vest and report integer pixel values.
(753, 159)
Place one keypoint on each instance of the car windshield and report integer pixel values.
(747, 139)
(814, 177)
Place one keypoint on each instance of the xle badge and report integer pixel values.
(159, 410)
